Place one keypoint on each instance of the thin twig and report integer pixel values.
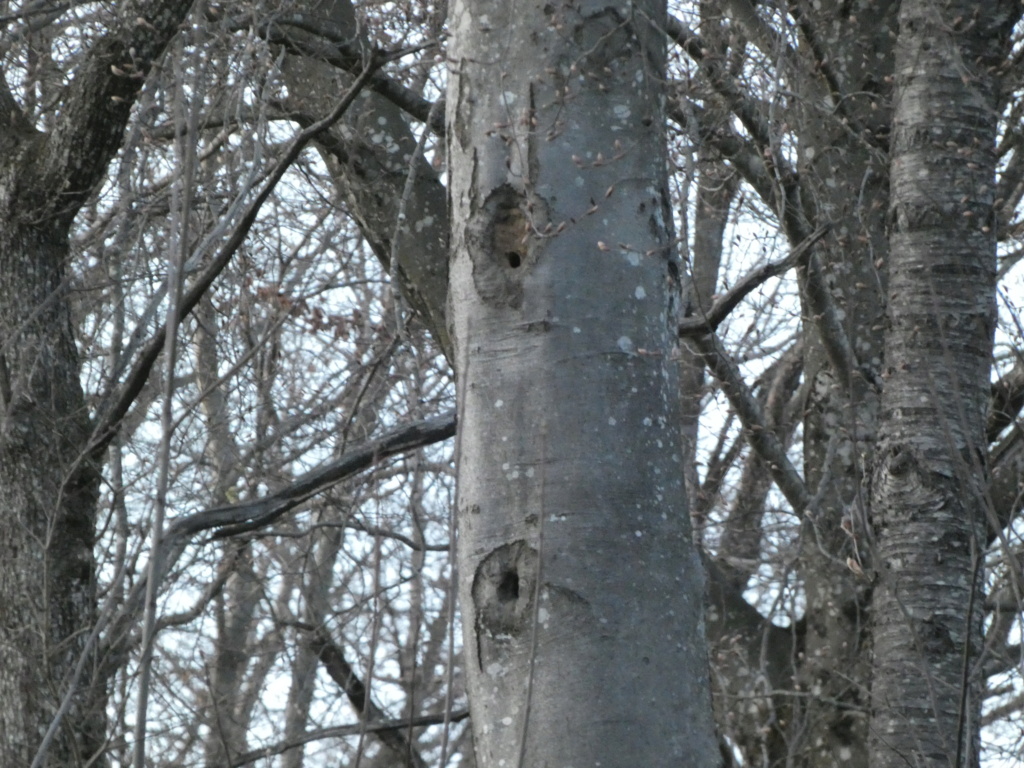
(720, 310)
(175, 281)
(122, 400)
(762, 439)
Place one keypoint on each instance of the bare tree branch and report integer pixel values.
(249, 516)
(723, 306)
(118, 403)
(1007, 401)
(349, 730)
(326, 42)
(342, 673)
(762, 439)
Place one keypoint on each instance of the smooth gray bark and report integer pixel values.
(580, 588)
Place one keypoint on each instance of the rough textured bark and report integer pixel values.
(844, 52)
(48, 486)
(580, 589)
(47, 498)
(928, 485)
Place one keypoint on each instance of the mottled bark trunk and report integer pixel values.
(580, 588)
(47, 500)
(48, 483)
(928, 485)
(845, 53)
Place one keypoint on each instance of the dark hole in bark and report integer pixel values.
(508, 587)
(502, 589)
(514, 259)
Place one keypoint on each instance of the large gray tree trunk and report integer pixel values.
(580, 588)
(928, 487)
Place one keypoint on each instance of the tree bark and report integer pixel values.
(47, 501)
(842, 161)
(928, 484)
(48, 484)
(581, 592)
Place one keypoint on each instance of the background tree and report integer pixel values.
(49, 478)
(305, 611)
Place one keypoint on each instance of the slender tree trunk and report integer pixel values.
(928, 489)
(845, 54)
(580, 588)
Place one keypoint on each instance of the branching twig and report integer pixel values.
(780, 191)
(121, 401)
(737, 100)
(763, 440)
(695, 326)
(330, 45)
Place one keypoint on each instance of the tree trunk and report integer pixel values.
(581, 592)
(928, 485)
(48, 482)
(844, 53)
(47, 500)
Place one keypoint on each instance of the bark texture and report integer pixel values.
(47, 501)
(843, 53)
(48, 482)
(928, 485)
(580, 587)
